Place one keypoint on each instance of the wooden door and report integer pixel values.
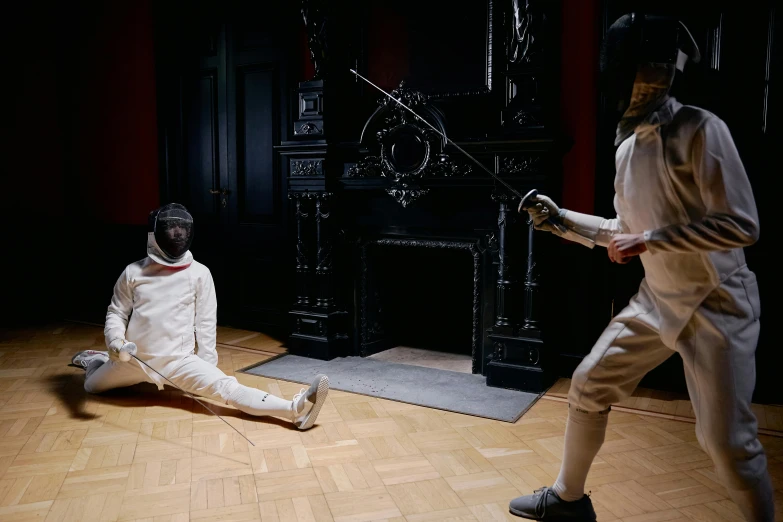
(223, 87)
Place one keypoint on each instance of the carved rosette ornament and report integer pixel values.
(407, 150)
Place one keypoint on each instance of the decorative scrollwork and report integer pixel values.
(369, 167)
(409, 97)
(500, 195)
(448, 169)
(406, 194)
(525, 118)
(308, 128)
(307, 168)
(520, 166)
(526, 28)
(315, 20)
(294, 195)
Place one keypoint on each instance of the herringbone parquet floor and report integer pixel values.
(144, 455)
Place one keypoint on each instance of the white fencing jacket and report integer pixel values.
(165, 309)
(681, 183)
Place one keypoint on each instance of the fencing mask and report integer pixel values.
(636, 40)
(171, 227)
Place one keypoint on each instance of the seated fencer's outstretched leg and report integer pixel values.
(199, 377)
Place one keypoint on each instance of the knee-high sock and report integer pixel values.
(757, 504)
(259, 403)
(585, 433)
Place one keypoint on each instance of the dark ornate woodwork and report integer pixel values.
(406, 150)
(314, 13)
(526, 24)
(323, 242)
(506, 282)
(531, 321)
(391, 185)
(302, 258)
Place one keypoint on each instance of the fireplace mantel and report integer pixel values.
(394, 180)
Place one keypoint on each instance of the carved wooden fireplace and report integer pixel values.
(363, 189)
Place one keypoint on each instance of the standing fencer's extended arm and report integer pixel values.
(585, 229)
(729, 217)
(206, 319)
(596, 228)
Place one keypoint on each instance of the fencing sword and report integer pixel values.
(525, 200)
(191, 396)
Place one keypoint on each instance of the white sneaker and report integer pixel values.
(85, 357)
(307, 403)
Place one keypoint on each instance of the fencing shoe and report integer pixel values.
(546, 506)
(85, 357)
(307, 403)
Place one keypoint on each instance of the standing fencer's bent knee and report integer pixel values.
(738, 455)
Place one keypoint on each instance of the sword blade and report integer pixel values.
(194, 398)
(463, 151)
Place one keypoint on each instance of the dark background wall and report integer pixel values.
(81, 148)
(81, 165)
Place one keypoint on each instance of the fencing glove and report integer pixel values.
(543, 209)
(121, 349)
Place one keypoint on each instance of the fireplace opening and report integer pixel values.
(424, 302)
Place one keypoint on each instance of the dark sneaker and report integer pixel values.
(545, 505)
(307, 403)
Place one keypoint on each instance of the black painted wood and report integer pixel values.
(224, 74)
(402, 203)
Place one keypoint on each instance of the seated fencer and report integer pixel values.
(164, 311)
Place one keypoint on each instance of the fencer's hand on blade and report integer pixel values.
(540, 211)
(623, 247)
(122, 349)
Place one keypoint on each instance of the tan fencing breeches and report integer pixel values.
(718, 351)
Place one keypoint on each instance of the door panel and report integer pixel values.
(223, 92)
(201, 145)
(258, 180)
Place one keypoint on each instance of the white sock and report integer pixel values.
(94, 365)
(585, 433)
(260, 403)
(757, 504)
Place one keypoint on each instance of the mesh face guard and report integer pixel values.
(172, 225)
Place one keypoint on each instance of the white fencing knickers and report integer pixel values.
(718, 349)
(195, 376)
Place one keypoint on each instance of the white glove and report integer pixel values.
(122, 350)
(543, 209)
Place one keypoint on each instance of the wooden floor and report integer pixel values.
(156, 456)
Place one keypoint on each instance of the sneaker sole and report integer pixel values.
(320, 398)
(570, 519)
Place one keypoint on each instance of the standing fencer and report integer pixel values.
(685, 207)
(164, 311)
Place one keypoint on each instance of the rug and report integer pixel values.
(429, 387)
